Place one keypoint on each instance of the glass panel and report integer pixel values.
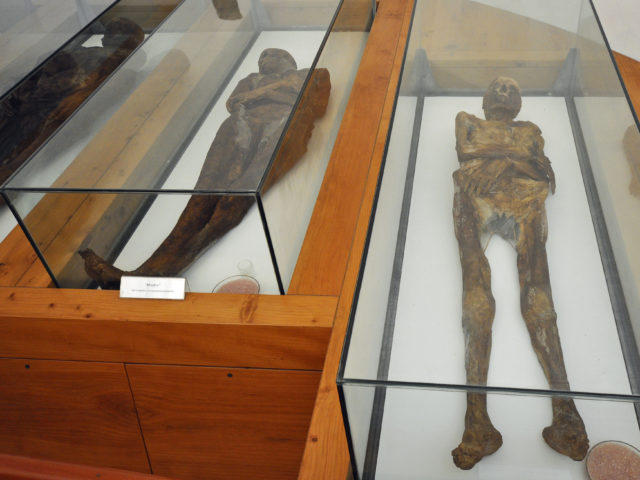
(502, 255)
(467, 43)
(293, 181)
(32, 111)
(149, 235)
(532, 213)
(416, 431)
(164, 108)
(200, 107)
(611, 145)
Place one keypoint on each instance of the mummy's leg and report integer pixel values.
(480, 437)
(566, 434)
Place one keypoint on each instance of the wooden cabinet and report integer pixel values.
(202, 422)
(211, 387)
(80, 412)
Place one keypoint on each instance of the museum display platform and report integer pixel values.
(217, 385)
(402, 377)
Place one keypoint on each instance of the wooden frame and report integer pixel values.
(165, 350)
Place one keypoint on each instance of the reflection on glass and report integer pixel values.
(38, 105)
(30, 31)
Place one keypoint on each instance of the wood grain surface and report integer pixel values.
(326, 453)
(16, 467)
(241, 330)
(223, 423)
(70, 411)
(630, 72)
(328, 242)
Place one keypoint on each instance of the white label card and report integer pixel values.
(168, 288)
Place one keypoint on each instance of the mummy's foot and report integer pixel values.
(478, 441)
(566, 434)
(107, 276)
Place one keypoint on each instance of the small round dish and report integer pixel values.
(238, 284)
(613, 460)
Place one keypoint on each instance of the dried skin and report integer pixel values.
(259, 108)
(500, 188)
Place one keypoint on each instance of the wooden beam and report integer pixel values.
(371, 106)
(235, 330)
(328, 242)
(630, 71)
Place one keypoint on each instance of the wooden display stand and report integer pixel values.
(216, 386)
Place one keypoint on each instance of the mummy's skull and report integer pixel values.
(502, 99)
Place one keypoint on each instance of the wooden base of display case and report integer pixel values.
(18, 467)
(214, 386)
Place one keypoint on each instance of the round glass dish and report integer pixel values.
(613, 460)
(238, 284)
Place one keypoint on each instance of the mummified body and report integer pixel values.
(500, 188)
(259, 108)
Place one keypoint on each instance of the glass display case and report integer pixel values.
(495, 329)
(202, 154)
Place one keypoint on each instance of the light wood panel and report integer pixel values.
(223, 423)
(70, 411)
(239, 330)
(16, 257)
(630, 71)
(326, 453)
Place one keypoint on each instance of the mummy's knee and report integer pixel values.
(537, 305)
(478, 310)
(540, 317)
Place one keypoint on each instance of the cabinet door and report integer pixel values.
(224, 423)
(77, 412)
